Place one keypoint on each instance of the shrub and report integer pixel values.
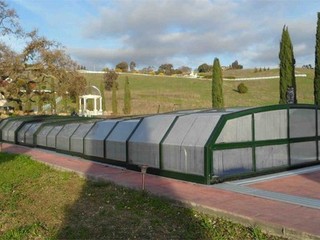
(109, 78)
(242, 88)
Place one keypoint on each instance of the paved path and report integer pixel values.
(241, 201)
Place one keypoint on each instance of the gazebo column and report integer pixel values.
(100, 98)
(84, 105)
(80, 105)
(95, 105)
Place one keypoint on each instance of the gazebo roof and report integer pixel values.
(91, 91)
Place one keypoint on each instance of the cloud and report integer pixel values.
(155, 32)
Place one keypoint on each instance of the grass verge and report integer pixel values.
(38, 202)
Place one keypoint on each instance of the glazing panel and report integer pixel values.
(232, 161)
(42, 135)
(302, 123)
(271, 156)
(51, 137)
(3, 123)
(271, 125)
(144, 143)
(77, 139)
(94, 141)
(4, 131)
(303, 152)
(183, 148)
(236, 130)
(63, 137)
(29, 134)
(20, 134)
(116, 141)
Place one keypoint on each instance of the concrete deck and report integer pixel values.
(287, 204)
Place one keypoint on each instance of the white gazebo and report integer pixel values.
(91, 93)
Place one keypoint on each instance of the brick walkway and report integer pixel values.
(290, 220)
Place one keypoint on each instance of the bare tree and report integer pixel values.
(9, 20)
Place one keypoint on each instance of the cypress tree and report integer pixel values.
(287, 68)
(114, 98)
(316, 81)
(217, 85)
(127, 97)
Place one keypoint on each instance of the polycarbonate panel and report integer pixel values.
(51, 137)
(271, 125)
(116, 142)
(42, 135)
(94, 141)
(303, 152)
(232, 161)
(63, 137)
(76, 141)
(21, 133)
(29, 134)
(4, 131)
(236, 130)
(302, 123)
(144, 143)
(271, 156)
(183, 148)
(12, 132)
(3, 122)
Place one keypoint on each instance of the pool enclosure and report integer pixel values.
(203, 146)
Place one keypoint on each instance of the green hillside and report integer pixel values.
(150, 93)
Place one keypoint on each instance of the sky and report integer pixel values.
(102, 33)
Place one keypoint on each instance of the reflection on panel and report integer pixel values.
(94, 141)
(116, 142)
(21, 133)
(183, 148)
(6, 135)
(303, 152)
(63, 137)
(237, 130)
(232, 161)
(144, 143)
(271, 125)
(42, 135)
(271, 156)
(29, 134)
(51, 137)
(76, 141)
(302, 123)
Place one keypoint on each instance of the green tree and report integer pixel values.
(127, 97)
(114, 98)
(166, 69)
(123, 66)
(217, 85)
(287, 68)
(203, 68)
(316, 81)
(109, 78)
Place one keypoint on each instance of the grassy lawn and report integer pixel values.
(37, 202)
(153, 93)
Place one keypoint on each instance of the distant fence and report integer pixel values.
(259, 78)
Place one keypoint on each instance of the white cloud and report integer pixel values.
(152, 32)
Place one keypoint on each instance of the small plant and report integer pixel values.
(242, 88)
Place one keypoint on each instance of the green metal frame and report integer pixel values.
(212, 145)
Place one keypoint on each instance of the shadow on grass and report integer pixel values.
(107, 211)
(55, 205)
